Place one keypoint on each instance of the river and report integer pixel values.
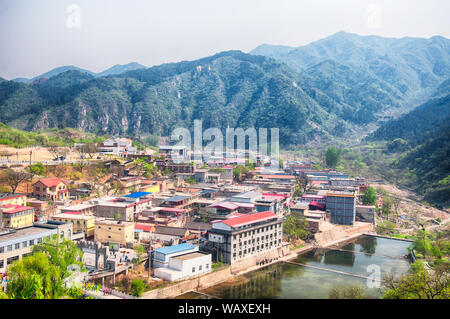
(365, 256)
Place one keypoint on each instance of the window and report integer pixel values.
(9, 248)
(207, 265)
(39, 240)
(31, 242)
(2, 250)
(25, 244)
(1, 263)
(193, 269)
(200, 268)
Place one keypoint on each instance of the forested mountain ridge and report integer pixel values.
(329, 89)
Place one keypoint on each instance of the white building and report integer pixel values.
(117, 146)
(180, 262)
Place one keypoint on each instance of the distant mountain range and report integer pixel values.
(114, 70)
(335, 88)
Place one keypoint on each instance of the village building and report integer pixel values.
(114, 231)
(51, 189)
(81, 223)
(245, 236)
(16, 216)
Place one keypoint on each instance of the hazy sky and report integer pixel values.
(38, 35)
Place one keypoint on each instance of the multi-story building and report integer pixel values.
(114, 231)
(18, 243)
(128, 208)
(80, 222)
(13, 199)
(342, 206)
(117, 146)
(16, 216)
(245, 236)
(52, 189)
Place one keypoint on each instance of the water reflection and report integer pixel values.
(289, 281)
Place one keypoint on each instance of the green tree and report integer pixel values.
(296, 227)
(333, 156)
(369, 198)
(37, 169)
(419, 284)
(34, 277)
(137, 287)
(62, 253)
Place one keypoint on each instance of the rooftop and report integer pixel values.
(174, 249)
(50, 182)
(137, 194)
(249, 219)
(4, 196)
(190, 256)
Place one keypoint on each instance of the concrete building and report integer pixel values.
(114, 231)
(185, 266)
(175, 153)
(245, 236)
(16, 216)
(128, 207)
(18, 243)
(342, 207)
(169, 234)
(80, 222)
(365, 213)
(117, 146)
(86, 209)
(13, 199)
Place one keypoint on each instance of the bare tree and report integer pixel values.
(14, 178)
(396, 203)
(89, 149)
(54, 149)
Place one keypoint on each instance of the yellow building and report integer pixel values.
(113, 231)
(16, 216)
(150, 186)
(80, 222)
(13, 199)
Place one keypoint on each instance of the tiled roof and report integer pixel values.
(12, 209)
(249, 219)
(50, 182)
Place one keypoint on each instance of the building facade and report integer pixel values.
(245, 236)
(342, 207)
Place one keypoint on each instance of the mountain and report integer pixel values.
(416, 125)
(335, 88)
(114, 70)
(121, 68)
(399, 73)
(420, 141)
(51, 73)
(228, 89)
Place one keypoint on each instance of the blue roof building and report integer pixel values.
(137, 194)
(161, 255)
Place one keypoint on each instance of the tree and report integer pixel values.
(369, 198)
(137, 287)
(190, 180)
(54, 149)
(13, 178)
(419, 284)
(396, 203)
(351, 292)
(140, 252)
(333, 156)
(387, 205)
(303, 183)
(89, 149)
(296, 227)
(34, 277)
(36, 169)
(62, 253)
